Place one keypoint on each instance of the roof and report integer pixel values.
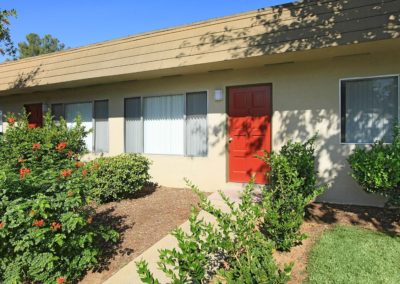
(299, 26)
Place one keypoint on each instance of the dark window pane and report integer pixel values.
(196, 103)
(101, 109)
(57, 111)
(133, 108)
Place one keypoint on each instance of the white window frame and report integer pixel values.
(93, 120)
(340, 103)
(184, 119)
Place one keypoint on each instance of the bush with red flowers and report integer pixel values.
(47, 232)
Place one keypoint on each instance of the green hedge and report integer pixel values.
(119, 177)
(377, 168)
(292, 185)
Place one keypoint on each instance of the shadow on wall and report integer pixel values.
(306, 25)
(27, 79)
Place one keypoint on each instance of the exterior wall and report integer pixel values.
(305, 101)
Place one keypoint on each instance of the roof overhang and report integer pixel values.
(300, 31)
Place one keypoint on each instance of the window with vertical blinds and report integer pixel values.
(93, 116)
(170, 125)
(369, 109)
(163, 121)
(84, 110)
(101, 126)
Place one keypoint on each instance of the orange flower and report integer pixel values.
(38, 223)
(61, 146)
(79, 164)
(70, 194)
(66, 173)
(2, 224)
(31, 126)
(11, 120)
(84, 172)
(89, 220)
(36, 146)
(55, 226)
(23, 172)
(60, 280)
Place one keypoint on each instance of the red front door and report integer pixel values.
(250, 110)
(35, 112)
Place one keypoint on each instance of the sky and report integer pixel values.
(81, 22)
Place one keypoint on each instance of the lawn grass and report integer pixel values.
(352, 255)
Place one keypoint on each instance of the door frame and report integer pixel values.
(227, 98)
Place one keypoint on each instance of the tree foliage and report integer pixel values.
(35, 45)
(6, 44)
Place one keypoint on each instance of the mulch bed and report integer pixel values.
(141, 221)
(320, 217)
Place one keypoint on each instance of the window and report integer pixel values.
(369, 108)
(172, 125)
(57, 111)
(85, 112)
(196, 124)
(133, 126)
(92, 117)
(101, 126)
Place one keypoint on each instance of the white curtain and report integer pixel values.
(371, 109)
(133, 126)
(164, 125)
(85, 112)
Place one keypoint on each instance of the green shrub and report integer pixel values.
(232, 251)
(377, 168)
(46, 229)
(292, 186)
(119, 177)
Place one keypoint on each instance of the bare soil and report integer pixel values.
(141, 222)
(320, 217)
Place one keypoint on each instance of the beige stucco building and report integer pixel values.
(323, 65)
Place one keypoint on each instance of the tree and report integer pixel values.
(6, 44)
(36, 45)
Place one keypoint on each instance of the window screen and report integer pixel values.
(101, 126)
(369, 108)
(133, 126)
(196, 124)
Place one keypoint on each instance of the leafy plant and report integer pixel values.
(47, 232)
(120, 176)
(292, 186)
(231, 251)
(377, 168)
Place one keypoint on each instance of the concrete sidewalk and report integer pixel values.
(128, 274)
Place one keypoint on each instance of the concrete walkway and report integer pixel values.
(128, 274)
